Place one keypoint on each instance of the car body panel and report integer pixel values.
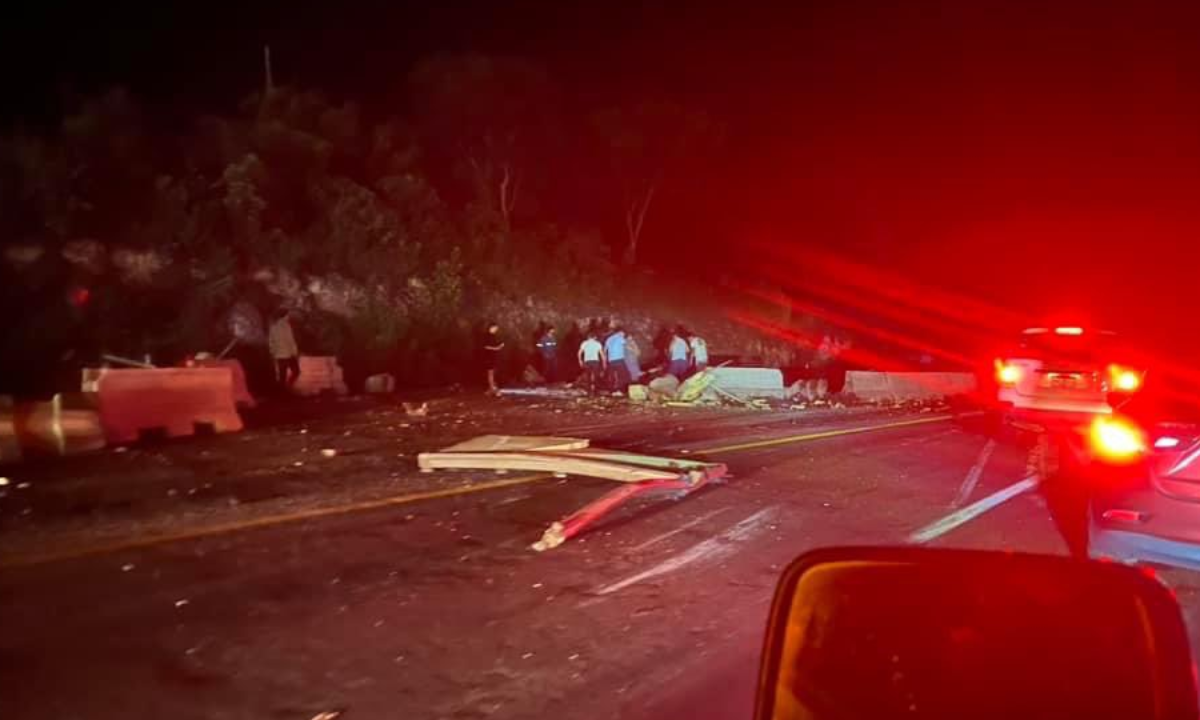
(1149, 510)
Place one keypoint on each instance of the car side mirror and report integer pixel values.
(927, 633)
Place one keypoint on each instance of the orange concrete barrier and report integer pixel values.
(10, 447)
(68, 424)
(241, 393)
(175, 400)
(320, 374)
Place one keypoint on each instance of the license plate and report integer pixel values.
(1065, 382)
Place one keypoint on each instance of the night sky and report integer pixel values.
(1037, 154)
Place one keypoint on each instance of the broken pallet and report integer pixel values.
(639, 474)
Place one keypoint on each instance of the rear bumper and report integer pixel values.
(1050, 419)
(1036, 404)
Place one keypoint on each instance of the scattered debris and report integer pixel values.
(126, 567)
(181, 603)
(327, 715)
(298, 463)
(328, 452)
(665, 387)
(414, 410)
(24, 486)
(547, 392)
(118, 360)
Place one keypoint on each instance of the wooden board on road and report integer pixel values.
(540, 462)
(518, 443)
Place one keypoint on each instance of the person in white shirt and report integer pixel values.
(698, 352)
(284, 350)
(677, 355)
(593, 362)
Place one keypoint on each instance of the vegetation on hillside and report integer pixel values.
(394, 236)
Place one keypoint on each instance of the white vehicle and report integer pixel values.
(1063, 372)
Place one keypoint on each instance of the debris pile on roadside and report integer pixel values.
(760, 388)
(764, 389)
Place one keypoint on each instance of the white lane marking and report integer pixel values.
(676, 531)
(711, 548)
(515, 499)
(1185, 461)
(973, 475)
(941, 527)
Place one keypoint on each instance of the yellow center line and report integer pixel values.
(272, 520)
(740, 447)
(265, 521)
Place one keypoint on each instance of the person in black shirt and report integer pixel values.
(547, 345)
(493, 344)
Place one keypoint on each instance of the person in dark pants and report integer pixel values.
(547, 346)
(677, 355)
(493, 344)
(284, 350)
(591, 359)
(614, 355)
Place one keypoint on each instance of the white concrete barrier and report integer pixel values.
(869, 385)
(749, 382)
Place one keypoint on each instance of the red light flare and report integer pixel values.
(79, 296)
(853, 324)
(971, 313)
(861, 298)
(857, 355)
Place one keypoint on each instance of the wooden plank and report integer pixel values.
(625, 458)
(540, 462)
(518, 443)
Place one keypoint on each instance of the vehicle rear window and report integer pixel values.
(1085, 348)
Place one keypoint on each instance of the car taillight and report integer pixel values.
(1007, 374)
(1116, 439)
(1123, 379)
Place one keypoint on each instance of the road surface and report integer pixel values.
(255, 586)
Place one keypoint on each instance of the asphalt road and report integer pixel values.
(435, 607)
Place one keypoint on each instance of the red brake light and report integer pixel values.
(1068, 331)
(1124, 379)
(1007, 374)
(1116, 439)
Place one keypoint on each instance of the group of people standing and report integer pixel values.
(610, 358)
